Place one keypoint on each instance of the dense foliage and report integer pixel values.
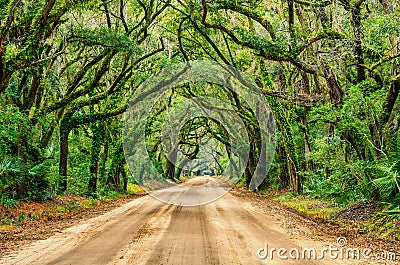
(329, 70)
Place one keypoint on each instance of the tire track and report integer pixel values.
(188, 239)
(102, 247)
(140, 247)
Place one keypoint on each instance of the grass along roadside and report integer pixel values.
(366, 216)
(58, 208)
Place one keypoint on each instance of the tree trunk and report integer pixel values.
(22, 188)
(124, 179)
(170, 164)
(98, 134)
(284, 179)
(63, 165)
(180, 168)
(358, 35)
(103, 161)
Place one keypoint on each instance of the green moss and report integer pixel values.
(310, 206)
(134, 189)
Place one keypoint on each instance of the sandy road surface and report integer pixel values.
(229, 230)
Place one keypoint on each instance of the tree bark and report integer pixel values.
(170, 164)
(98, 134)
(358, 35)
(63, 165)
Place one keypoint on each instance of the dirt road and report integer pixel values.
(230, 230)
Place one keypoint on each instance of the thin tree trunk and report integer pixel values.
(170, 165)
(124, 178)
(98, 134)
(63, 165)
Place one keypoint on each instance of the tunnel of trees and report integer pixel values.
(329, 70)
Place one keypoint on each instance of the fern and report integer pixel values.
(388, 185)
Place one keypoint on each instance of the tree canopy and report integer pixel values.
(329, 70)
